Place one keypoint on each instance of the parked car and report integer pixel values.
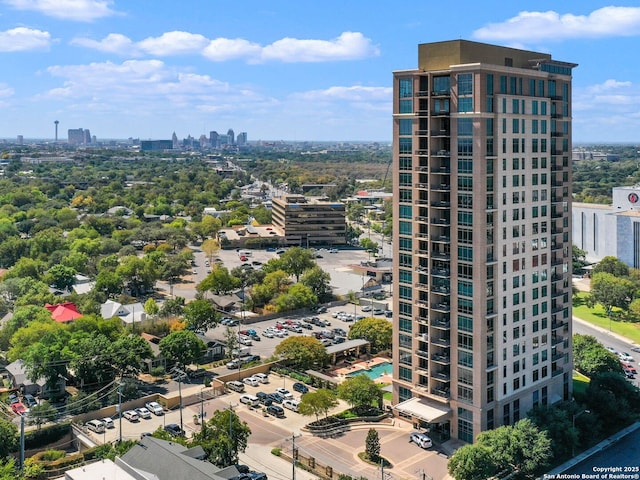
(276, 397)
(262, 377)
(366, 308)
(174, 429)
(235, 386)
(625, 357)
(291, 404)
(612, 350)
(143, 412)
(233, 364)
(13, 398)
(108, 422)
(155, 408)
(96, 426)
(243, 340)
(378, 311)
(29, 400)
(250, 400)
(19, 408)
(300, 388)
(421, 440)
(284, 392)
(254, 382)
(337, 340)
(276, 411)
(131, 415)
(268, 334)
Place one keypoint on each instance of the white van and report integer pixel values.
(250, 400)
(235, 386)
(246, 253)
(262, 377)
(291, 404)
(95, 426)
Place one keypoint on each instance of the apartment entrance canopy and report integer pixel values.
(418, 408)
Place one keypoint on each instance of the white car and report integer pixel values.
(612, 350)
(421, 440)
(108, 422)
(155, 408)
(244, 340)
(284, 392)
(143, 412)
(131, 415)
(291, 404)
(261, 377)
(625, 357)
(254, 382)
(366, 308)
(268, 334)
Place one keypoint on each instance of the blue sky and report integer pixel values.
(290, 70)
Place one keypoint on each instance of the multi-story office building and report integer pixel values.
(482, 236)
(305, 221)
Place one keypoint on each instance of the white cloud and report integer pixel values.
(348, 46)
(550, 25)
(112, 43)
(222, 49)
(5, 90)
(353, 94)
(174, 43)
(76, 10)
(21, 39)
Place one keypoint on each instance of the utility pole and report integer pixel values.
(22, 443)
(293, 456)
(120, 408)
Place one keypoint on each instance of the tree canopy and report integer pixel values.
(183, 347)
(303, 352)
(223, 437)
(378, 331)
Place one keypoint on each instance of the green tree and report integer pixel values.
(611, 291)
(218, 282)
(8, 438)
(109, 282)
(138, 274)
(613, 399)
(128, 353)
(200, 314)
(151, 307)
(611, 265)
(9, 470)
(296, 260)
(303, 352)
(556, 420)
(61, 277)
(372, 445)
(183, 347)
(296, 297)
(578, 257)
(471, 462)
(317, 403)
(318, 281)
(369, 245)
(172, 307)
(590, 357)
(41, 414)
(223, 437)
(360, 391)
(378, 331)
(210, 247)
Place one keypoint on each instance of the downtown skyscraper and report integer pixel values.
(482, 237)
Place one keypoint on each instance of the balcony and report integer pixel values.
(420, 185)
(421, 168)
(557, 356)
(441, 170)
(422, 269)
(421, 201)
(441, 153)
(557, 340)
(441, 255)
(441, 93)
(440, 133)
(443, 187)
(441, 221)
(441, 289)
(442, 238)
(442, 376)
(422, 353)
(421, 252)
(556, 372)
(441, 272)
(421, 219)
(422, 93)
(440, 113)
(555, 325)
(423, 286)
(444, 324)
(423, 320)
(442, 342)
(441, 358)
(441, 307)
(422, 113)
(421, 152)
(422, 132)
(441, 204)
(441, 392)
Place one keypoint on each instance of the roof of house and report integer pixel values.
(169, 460)
(18, 372)
(63, 312)
(133, 312)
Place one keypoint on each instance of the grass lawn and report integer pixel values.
(580, 382)
(598, 316)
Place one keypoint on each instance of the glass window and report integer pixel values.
(405, 106)
(405, 87)
(405, 163)
(405, 126)
(441, 84)
(404, 145)
(465, 104)
(465, 84)
(404, 373)
(405, 228)
(465, 146)
(465, 126)
(405, 179)
(489, 84)
(405, 211)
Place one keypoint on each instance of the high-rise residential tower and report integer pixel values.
(482, 236)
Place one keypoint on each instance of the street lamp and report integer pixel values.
(573, 422)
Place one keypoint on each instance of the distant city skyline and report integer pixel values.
(281, 70)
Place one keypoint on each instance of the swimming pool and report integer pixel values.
(375, 371)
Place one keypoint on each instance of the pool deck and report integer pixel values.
(360, 367)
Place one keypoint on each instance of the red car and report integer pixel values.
(19, 408)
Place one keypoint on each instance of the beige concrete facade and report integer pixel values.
(306, 221)
(482, 236)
